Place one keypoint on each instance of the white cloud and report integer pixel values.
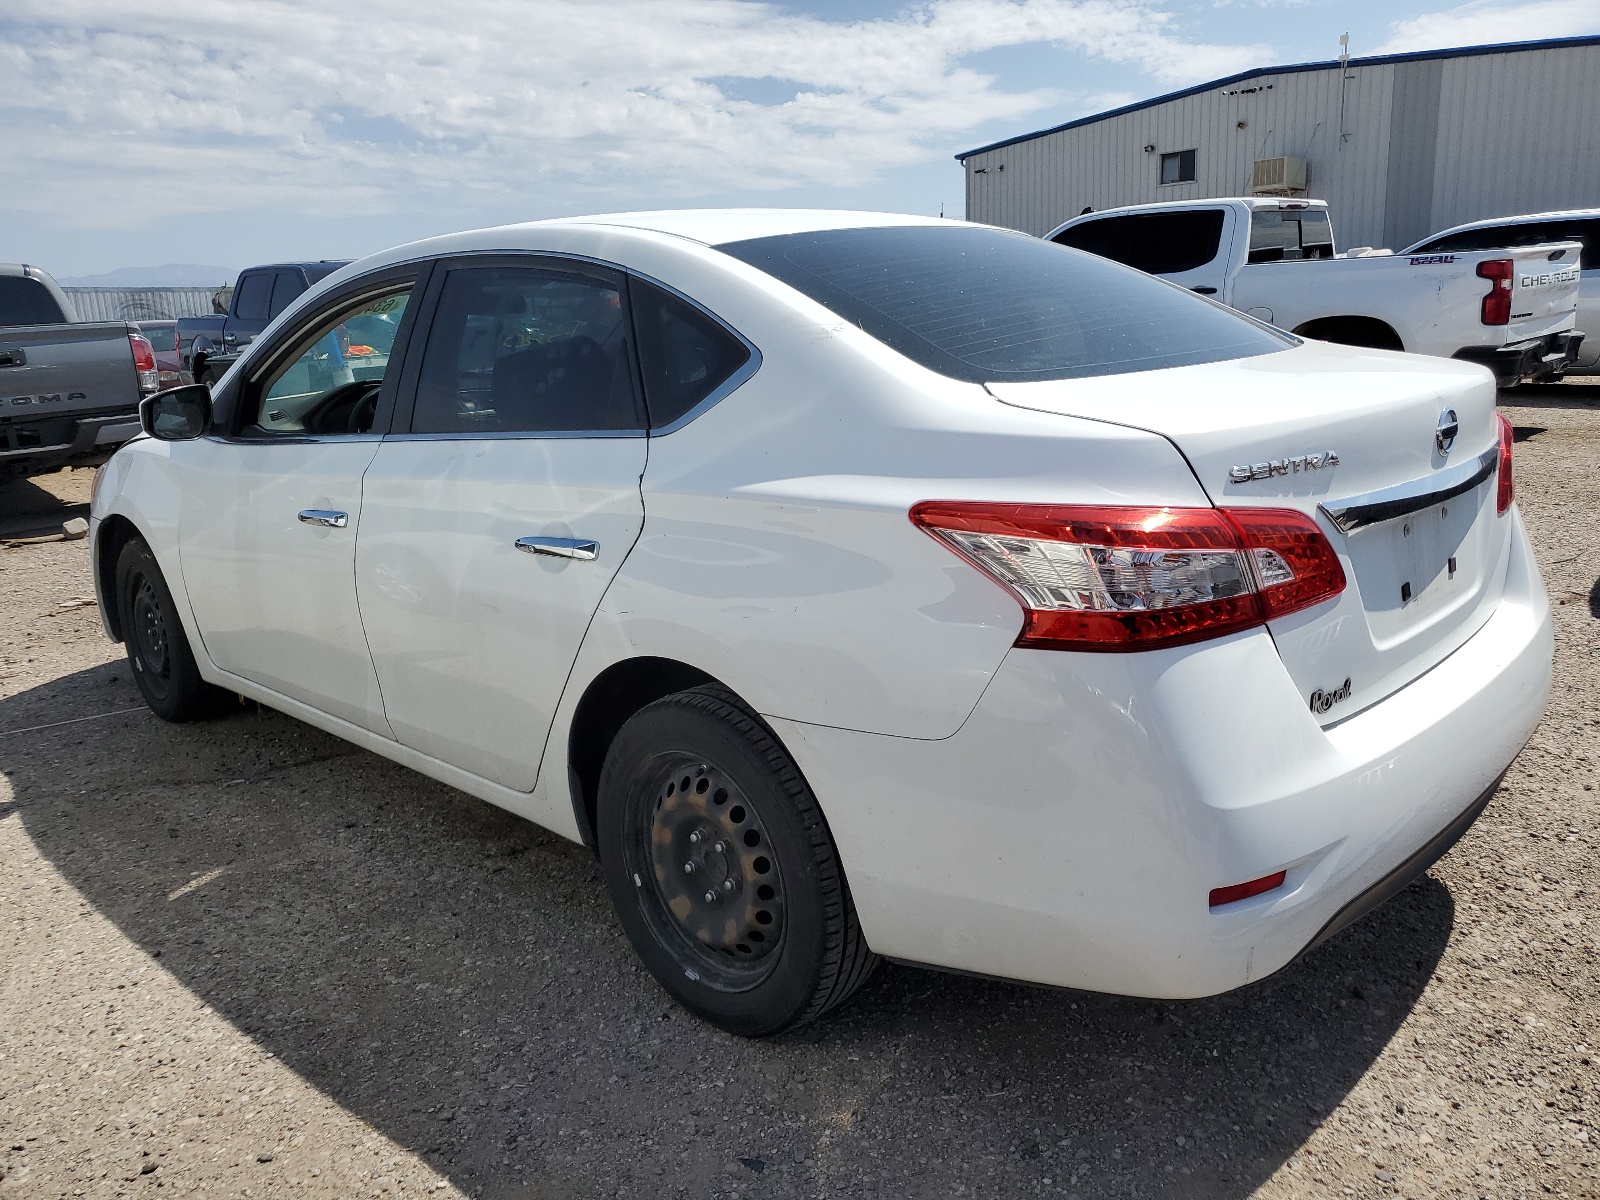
(1486, 22)
(119, 113)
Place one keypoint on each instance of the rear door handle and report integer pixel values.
(325, 517)
(560, 547)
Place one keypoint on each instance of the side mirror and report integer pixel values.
(178, 414)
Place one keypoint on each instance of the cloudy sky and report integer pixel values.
(236, 131)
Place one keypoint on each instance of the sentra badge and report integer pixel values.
(1245, 472)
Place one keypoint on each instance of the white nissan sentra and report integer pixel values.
(858, 586)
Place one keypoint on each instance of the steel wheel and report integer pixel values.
(717, 887)
(151, 654)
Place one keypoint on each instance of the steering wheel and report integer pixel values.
(364, 409)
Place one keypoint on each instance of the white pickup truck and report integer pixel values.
(1513, 310)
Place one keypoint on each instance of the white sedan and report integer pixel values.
(858, 586)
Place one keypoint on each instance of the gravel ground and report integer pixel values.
(245, 959)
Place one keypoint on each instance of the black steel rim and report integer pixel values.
(150, 635)
(706, 872)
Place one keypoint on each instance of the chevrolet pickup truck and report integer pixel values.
(208, 345)
(1512, 310)
(69, 391)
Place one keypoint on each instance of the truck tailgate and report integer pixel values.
(66, 387)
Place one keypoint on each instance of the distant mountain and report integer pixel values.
(166, 275)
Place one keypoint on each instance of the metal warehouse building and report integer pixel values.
(1399, 146)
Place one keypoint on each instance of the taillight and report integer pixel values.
(1503, 485)
(1093, 578)
(144, 364)
(1497, 304)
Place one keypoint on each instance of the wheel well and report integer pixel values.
(613, 696)
(1353, 331)
(115, 533)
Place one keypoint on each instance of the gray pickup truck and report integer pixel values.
(69, 392)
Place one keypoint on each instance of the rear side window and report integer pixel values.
(161, 337)
(1286, 235)
(255, 294)
(1532, 233)
(285, 292)
(1161, 243)
(527, 350)
(982, 304)
(25, 301)
(685, 353)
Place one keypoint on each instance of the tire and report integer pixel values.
(695, 778)
(158, 649)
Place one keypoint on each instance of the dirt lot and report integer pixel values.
(246, 959)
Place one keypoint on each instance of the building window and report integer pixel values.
(1178, 167)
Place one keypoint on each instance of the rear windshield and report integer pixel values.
(160, 337)
(25, 301)
(983, 304)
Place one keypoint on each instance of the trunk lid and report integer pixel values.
(1349, 437)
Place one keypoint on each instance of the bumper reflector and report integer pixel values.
(1243, 891)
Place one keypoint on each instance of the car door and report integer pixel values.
(1191, 247)
(493, 523)
(271, 503)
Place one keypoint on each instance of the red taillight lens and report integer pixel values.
(1295, 567)
(1243, 891)
(1093, 578)
(144, 364)
(1497, 304)
(144, 354)
(1503, 493)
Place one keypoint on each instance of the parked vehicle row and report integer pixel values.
(859, 586)
(1512, 308)
(208, 345)
(69, 391)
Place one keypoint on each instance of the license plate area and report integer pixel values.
(1415, 569)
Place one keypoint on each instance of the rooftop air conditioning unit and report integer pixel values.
(1278, 176)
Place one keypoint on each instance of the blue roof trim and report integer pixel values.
(1293, 69)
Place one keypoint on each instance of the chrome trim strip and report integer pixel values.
(1385, 504)
(495, 435)
(560, 547)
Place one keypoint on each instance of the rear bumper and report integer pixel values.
(1551, 354)
(1071, 831)
(40, 445)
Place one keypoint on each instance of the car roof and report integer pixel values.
(1521, 219)
(715, 226)
(333, 264)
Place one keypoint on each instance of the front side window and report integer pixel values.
(329, 382)
(684, 353)
(1286, 235)
(255, 295)
(1160, 243)
(983, 304)
(1178, 167)
(527, 350)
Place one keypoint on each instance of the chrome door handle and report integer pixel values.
(323, 516)
(559, 547)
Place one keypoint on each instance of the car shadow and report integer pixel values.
(452, 975)
(28, 507)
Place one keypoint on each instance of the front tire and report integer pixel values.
(721, 868)
(158, 649)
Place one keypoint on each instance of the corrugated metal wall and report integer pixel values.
(1514, 132)
(140, 304)
(1518, 133)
